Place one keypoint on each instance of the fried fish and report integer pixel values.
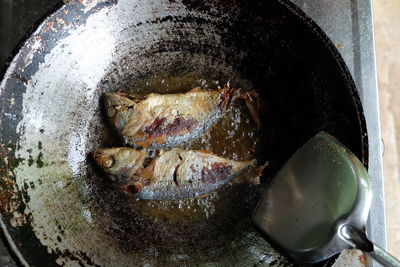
(162, 121)
(173, 174)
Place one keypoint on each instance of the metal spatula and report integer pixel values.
(318, 204)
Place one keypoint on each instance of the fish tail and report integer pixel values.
(259, 171)
(252, 101)
(252, 174)
(256, 173)
(227, 95)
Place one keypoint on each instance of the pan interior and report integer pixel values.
(165, 47)
(217, 225)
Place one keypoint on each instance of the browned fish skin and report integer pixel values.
(161, 121)
(179, 173)
(179, 125)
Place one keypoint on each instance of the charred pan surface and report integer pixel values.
(15, 77)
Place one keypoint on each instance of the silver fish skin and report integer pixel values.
(157, 121)
(179, 174)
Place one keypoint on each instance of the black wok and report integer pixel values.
(56, 208)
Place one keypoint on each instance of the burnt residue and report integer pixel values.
(39, 160)
(8, 197)
(81, 257)
(216, 7)
(29, 245)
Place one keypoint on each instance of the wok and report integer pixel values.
(56, 208)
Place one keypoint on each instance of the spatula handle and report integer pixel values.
(383, 257)
(359, 240)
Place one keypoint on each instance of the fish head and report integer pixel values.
(121, 163)
(119, 107)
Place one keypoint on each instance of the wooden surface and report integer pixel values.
(387, 39)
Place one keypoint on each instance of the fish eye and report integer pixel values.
(108, 162)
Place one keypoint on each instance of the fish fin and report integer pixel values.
(205, 151)
(252, 101)
(227, 95)
(137, 97)
(253, 177)
(133, 96)
(202, 195)
(196, 90)
(246, 180)
(260, 169)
